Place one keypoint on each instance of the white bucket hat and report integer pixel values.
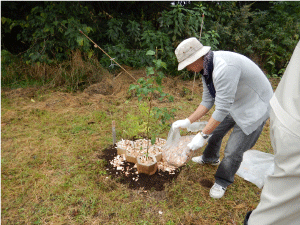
(188, 51)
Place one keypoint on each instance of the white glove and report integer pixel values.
(181, 124)
(197, 142)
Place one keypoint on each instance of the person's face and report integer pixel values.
(196, 66)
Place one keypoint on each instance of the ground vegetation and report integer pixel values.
(56, 149)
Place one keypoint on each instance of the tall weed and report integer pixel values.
(74, 74)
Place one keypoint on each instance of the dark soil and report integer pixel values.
(155, 182)
(206, 183)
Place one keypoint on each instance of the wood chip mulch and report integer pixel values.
(126, 173)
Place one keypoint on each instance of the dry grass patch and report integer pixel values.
(51, 172)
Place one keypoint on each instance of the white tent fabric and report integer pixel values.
(280, 197)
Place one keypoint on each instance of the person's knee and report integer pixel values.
(232, 159)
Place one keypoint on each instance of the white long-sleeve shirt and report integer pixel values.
(242, 90)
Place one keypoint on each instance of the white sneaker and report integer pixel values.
(199, 160)
(217, 191)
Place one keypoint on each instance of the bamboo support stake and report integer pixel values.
(201, 26)
(193, 84)
(97, 46)
(114, 132)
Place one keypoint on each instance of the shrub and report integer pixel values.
(267, 36)
(267, 32)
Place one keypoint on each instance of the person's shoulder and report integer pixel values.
(223, 52)
(221, 58)
(226, 62)
(231, 58)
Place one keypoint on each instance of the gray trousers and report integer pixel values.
(237, 144)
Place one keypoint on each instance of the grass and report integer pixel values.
(76, 73)
(52, 172)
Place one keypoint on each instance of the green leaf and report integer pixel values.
(80, 41)
(150, 52)
(163, 94)
(3, 20)
(12, 26)
(141, 80)
(158, 80)
(145, 91)
(133, 87)
(150, 70)
(46, 29)
(161, 74)
(153, 139)
(171, 99)
(88, 30)
(90, 54)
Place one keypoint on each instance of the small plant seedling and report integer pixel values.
(145, 90)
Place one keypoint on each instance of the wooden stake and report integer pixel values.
(114, 132)
(97, 46)
(193, 85)
(201, 26)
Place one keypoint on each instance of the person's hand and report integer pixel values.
(197, 142)
(181, 124)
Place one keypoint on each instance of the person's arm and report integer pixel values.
(210, 126)
(226, 85)
(200, 111)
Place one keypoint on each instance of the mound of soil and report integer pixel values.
(131, 178)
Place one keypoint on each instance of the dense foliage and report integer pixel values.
(47, 33)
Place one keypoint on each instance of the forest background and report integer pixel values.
(37, 38)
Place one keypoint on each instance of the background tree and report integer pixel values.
(48, 32)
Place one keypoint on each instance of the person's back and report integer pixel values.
(251, 74)
(252, 88)
(250, 70)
